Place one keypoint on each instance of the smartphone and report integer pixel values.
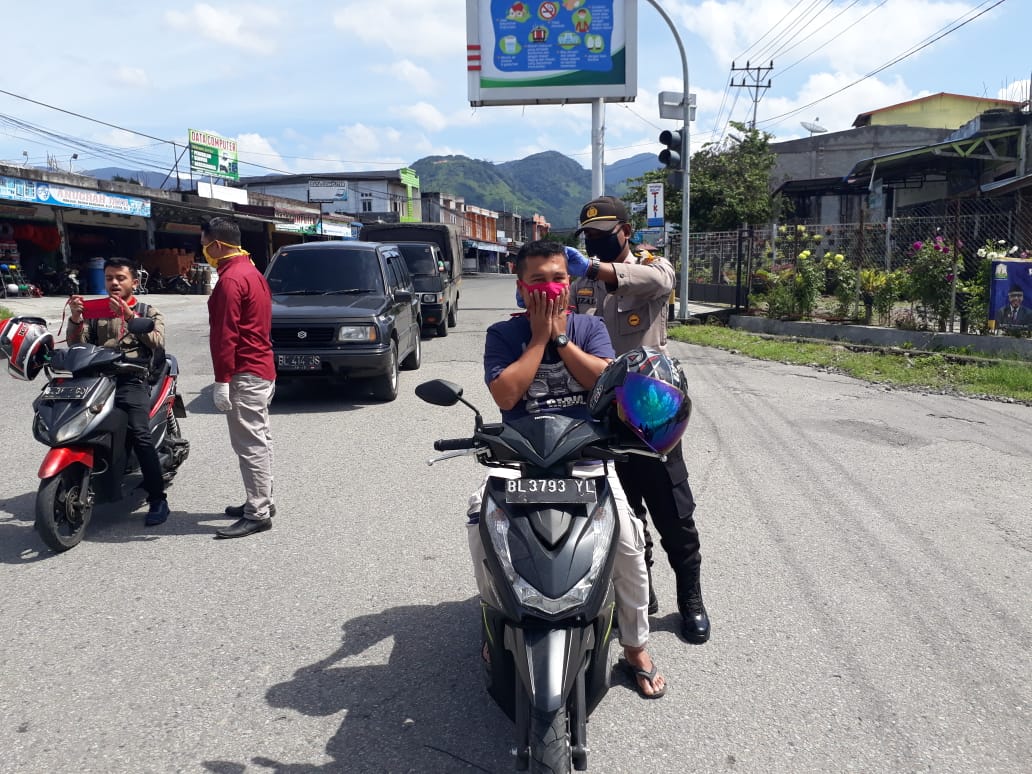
(98, 309)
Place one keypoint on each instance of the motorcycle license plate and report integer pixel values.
(549, 490)
(298, 362)
(64, 392)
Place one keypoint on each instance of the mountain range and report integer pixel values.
(548, 183)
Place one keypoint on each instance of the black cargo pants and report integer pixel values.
(133, 397)
(664, 489)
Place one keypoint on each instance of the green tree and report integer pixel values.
(729, 184)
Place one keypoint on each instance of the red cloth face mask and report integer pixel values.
(552, 290)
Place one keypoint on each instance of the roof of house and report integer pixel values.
(864, 118)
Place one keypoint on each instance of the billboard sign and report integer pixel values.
(1010, 297)
(327, 191)
(654, 205)
(37, 192)
(551, 52)
(213, 155)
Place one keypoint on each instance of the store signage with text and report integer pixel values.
(213, 155)
(19, 190)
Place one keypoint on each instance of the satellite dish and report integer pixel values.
(812, 127)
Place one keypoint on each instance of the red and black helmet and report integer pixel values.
(27, 344)
(646, 392)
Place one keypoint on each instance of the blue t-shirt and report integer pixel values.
(554, 389)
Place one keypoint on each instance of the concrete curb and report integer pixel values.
(885, 337)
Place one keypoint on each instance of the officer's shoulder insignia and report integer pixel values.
(647, 257)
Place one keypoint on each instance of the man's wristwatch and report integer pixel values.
(592, 272)
(561, 340)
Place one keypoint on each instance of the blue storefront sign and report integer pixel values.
(36, 192)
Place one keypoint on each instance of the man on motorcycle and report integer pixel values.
(132, 394)
(547, 360)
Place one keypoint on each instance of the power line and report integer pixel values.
(885, 66)
(757, 74)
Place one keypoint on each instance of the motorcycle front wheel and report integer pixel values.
(549, 743)
(60, 518)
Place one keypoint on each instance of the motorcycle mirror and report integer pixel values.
(439, 392)
(140, 325)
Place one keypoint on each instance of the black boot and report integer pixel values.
(653, 599)
(695, 624)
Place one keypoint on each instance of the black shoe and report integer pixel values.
(157, 513)
(243, 528)
(695, 624)
(237, 511)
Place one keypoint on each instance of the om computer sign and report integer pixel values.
(213, 155)
(551, 52)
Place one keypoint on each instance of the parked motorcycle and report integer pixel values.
(157, 283)
(58, 283)
(550, 538)
(90, 450)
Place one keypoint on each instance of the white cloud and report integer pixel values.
(413, 78)
(414, 28)
(243, 27)
(1018, 91)
(135, 77)
(864, 35)
(257, 149)
(424, 115)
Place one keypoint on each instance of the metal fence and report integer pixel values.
(966, 229)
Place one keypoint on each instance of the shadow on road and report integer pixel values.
(425, 710)
(298, 398)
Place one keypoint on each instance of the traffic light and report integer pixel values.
(671, 156)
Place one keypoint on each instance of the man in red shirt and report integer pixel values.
(240, 321)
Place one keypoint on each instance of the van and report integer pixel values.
(433, 253)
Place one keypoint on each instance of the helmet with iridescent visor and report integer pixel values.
(645, 391)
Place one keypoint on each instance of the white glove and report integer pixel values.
(220, 396)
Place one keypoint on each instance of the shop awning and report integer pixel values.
(988, 146)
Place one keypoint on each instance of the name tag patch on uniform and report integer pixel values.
(633, 320)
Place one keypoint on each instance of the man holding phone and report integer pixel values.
(102, 322)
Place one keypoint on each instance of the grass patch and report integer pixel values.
(5, 313)
(933, 371)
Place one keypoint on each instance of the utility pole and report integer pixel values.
(755, 84)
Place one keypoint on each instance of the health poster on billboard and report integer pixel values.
(213, 155)
(1010, 297)
(551, 52)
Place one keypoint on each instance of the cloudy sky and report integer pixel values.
(361, 84)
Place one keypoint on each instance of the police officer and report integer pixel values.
(631, 293)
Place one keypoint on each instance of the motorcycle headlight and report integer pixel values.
(431, 298)
(72, 429)
(40, 430)
(356, 333)
(600, 529)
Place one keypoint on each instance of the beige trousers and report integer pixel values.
(630, 578)
(251, 439)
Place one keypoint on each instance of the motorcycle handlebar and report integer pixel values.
(453, 444)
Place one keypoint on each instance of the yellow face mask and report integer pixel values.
(214, 262)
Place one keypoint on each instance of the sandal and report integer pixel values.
(637, 673)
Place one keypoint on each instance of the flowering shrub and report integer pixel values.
(840, 278)
(931, 279)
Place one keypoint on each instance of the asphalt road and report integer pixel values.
(866, 567)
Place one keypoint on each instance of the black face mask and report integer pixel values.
(606, 249)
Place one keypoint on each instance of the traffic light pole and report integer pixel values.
(686, 162)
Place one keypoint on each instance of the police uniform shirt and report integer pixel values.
(635, 311)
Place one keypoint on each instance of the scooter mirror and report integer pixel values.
(140, 325)
(439, 392)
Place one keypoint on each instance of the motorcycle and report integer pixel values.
(90, 451)
(549, 539)
(59, 283)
